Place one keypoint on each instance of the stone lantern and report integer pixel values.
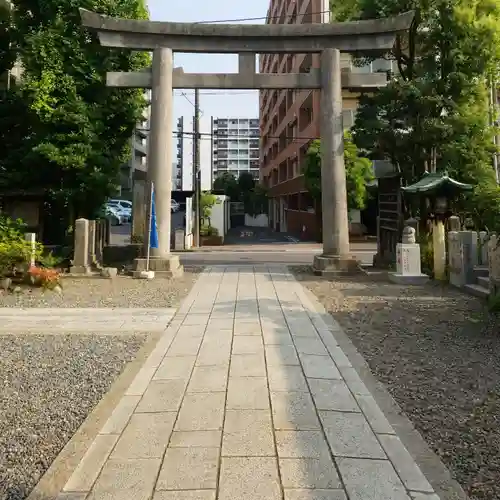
(439, 190)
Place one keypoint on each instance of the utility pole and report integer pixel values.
(196, 169)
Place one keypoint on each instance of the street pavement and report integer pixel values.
(248, 395)
(251, 246)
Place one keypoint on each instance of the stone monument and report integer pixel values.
(328, 39)
(408, 270)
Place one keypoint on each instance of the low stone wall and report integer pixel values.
(494, 264)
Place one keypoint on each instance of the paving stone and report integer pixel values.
(319, 366)
(162, 395)
(247, 328)
(91, 464)
(332, 395)
(248, 365)
(301, 444)
(210, 356)
(301, 494)
(141, 381)
(247, 344)
(408, 471)
(349, 435)
(302, 329)
(423, 496)
(196, 319)
(175, 367)
(248, 433)
(339, 356)
(146, 436)
(371, 480)
(184, 346)
(208, 379)
(221, 324)
(353, 381)
(310, 346)
(201, 412)
(121, 479)
(374, 415)
(309, 473)
(286, 378)
(185, 495)
(273, 338)
(249, 479)
(202, 439)
(187, 331)
(247, 393)
(279, 355)
(293, 411)
(121, 415)
(189, 469)
(71, 495)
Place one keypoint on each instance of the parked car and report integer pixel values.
(121, 203)
(115, 217)
(174, 206)
(124, 211)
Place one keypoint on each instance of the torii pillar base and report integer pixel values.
(163, 267)
(334, 265)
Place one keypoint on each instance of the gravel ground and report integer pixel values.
(122, 291)
(49, 384)
(438, 353)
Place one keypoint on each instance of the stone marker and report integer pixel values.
(81, 251)
(31, 238)
(408, 271)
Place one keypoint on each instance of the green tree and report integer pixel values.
(79, 129)
(228, 184)
(433, 114)
(359, 172)
(7, 48)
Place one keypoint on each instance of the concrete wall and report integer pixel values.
(219, 218)
(261, 220)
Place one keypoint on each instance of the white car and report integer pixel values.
(122, 207)
(174, 206)
(116, 218)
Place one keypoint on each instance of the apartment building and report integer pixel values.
(289, 121)
(136, 167)
(236, 146)
(184, 140)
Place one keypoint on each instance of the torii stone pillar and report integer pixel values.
(335, 221)
(371, 36)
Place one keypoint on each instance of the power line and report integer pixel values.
(264, 18)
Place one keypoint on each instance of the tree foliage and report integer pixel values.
(7, 47)
(434, 114)
(228, 184)
(359, 172)
(73, 132)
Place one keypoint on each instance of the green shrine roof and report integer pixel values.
(434, 182)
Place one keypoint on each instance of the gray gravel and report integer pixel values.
(122, 291)
(437, 351)
(48, 386)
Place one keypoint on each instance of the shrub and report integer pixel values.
(15, 251)
(208, 231)
(44, 277)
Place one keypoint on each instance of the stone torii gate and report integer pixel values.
(165, 38)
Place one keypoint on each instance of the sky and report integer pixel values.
(224, 103)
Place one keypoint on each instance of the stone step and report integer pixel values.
(484, 281)
(477, 291)
(481, 271)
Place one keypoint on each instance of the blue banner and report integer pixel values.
(153, 232)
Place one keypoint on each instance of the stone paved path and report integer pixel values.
(81, 319)
(247, 396)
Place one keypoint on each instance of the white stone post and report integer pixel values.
(31, 239)
(408, 266)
